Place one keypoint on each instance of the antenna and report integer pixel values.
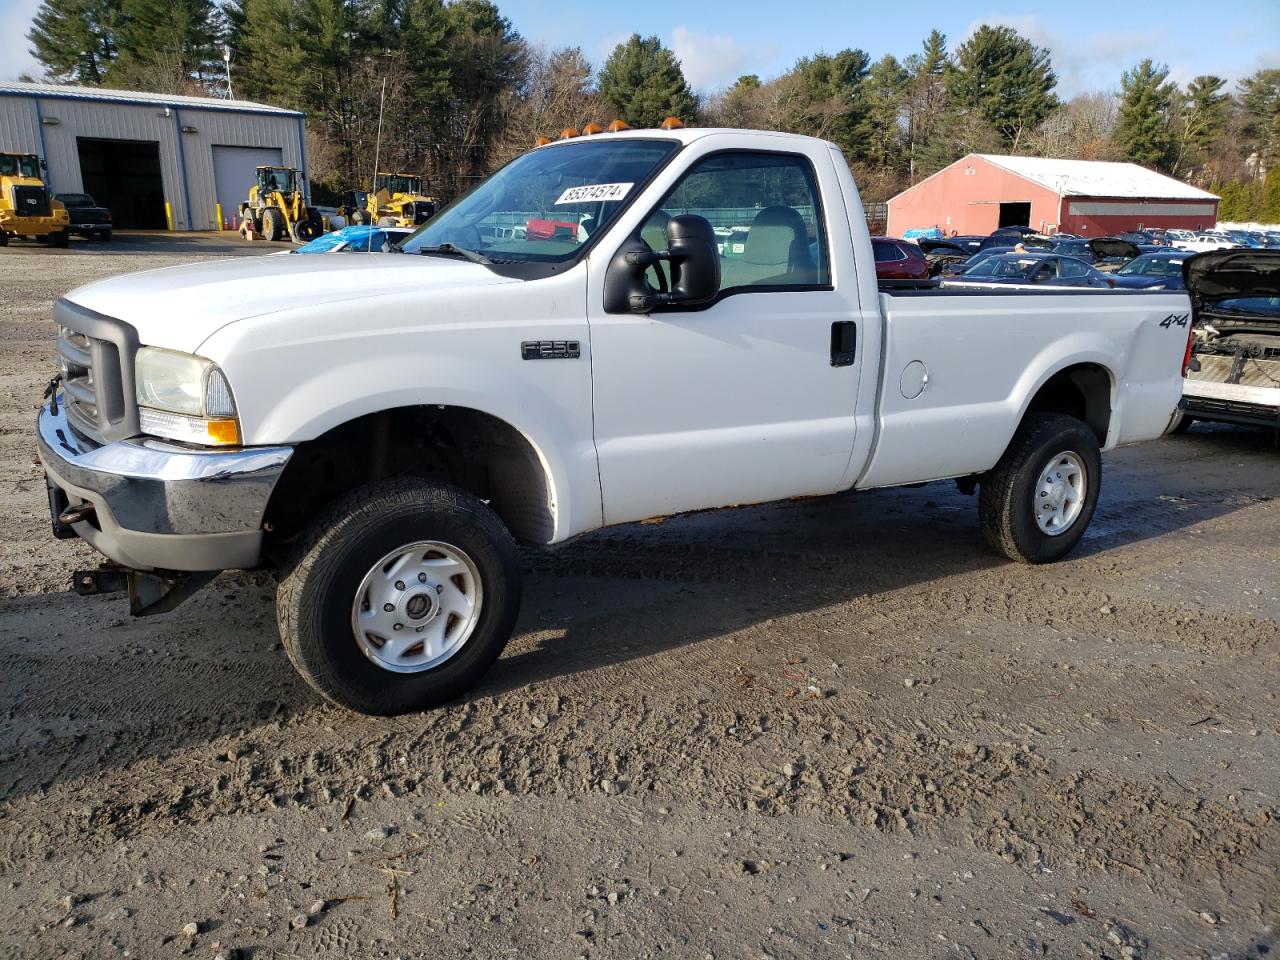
(226, 59)
(377, 149)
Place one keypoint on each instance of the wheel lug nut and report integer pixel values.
(420, 629)
(388, 607)
(399, 584)
(422, 578)
(439, 588)
(399, 626)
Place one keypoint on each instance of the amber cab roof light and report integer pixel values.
(568, 133)
(591, 129)
(618, 126)
(671, 123)
(542, 141)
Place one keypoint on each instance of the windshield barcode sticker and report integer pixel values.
(595, 192)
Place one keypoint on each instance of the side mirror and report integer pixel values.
(695, 269)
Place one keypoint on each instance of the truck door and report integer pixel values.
(749, 398)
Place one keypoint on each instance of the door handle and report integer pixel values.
(844, 343)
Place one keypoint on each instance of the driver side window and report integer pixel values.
(765, 212)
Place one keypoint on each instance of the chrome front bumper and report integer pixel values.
(158, 505)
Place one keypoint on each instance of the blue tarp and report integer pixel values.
(355, 239)
(923, 233)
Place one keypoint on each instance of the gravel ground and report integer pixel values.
(834, 727)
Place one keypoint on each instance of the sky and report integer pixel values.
(1092, 41)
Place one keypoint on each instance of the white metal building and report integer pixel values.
(157, 161)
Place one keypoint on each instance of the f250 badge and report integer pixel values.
(550, 350)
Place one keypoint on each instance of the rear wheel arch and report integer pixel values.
(475, 451)
(1081, 390)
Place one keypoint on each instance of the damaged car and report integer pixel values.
(1234, 376)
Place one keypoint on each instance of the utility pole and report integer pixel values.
(226, 60)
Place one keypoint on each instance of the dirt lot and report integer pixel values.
(827, 728)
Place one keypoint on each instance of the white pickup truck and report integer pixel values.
(564, 348)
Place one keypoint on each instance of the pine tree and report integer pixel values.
(1270, 212)
(1260, 111)
(644, 84)
(926, 96)
(1200, 117)
(165, 45)
(1143, 134)
(882, 128)
(75, 40)
(1004, 79)
(824, 96)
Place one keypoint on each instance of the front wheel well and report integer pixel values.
(1082, 391)
(475, 451)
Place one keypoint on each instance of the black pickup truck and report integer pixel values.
(87, 219)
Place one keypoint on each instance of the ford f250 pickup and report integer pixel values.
(382, 429)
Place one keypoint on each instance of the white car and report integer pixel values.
(1203, 242)
(382, 429)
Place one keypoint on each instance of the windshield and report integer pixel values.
(1003, 267)
(1152, 267)
(545, 204)
(398, 183)
(19, 166)
(276, 178)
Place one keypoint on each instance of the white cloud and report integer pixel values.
(15, 57)
(1084, 62)
(710, 61)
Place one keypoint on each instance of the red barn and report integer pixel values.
(1091, 198)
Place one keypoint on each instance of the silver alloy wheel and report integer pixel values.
(417, 606)
(1060, 493)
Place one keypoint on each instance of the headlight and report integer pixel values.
(183, 397)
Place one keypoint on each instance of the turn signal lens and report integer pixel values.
(206, 432)
(1186, 357)
(672, 123)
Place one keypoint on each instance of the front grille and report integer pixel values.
(1217, 368)
(95, 358)
(31, 201)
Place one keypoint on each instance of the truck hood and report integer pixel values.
(1113, 248)
(1230, 274)
(182, 306)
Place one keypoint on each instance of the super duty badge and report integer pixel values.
(550, 350)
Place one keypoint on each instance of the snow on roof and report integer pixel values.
(1097, 178)
(105, 94)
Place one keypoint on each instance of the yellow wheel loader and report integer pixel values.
(397, 200)
(26, 209)
(277, 208)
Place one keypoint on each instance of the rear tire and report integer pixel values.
(104, 236)
(1036, 503)
(4, 239)
(61, 239)
(327, 590)
(272, 224)
(1181, 425)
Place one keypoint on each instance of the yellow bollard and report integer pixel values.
(168, 215)
(218, 210)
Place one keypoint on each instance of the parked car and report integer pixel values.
(1032, 267)
(1112, 253)
(87, 218)
(1203, 243)
(1157, 270)
(1235, 303)
(502, 389)
(940, 253)
(1074, 248)
(356, 239)
(958, 269)
(899, 259)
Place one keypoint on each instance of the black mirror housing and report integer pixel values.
(695, 269)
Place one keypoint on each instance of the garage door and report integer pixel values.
(124, 176)
(234, 173)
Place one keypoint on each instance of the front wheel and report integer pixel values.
(1036, 503)
(400, 597)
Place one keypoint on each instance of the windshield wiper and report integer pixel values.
(450, 250)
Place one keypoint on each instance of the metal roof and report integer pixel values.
(133, 97)
(1097, 178)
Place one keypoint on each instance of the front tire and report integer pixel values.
(1036, 503)
(388, 564)
(272, 224)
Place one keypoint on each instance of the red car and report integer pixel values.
(899, 260)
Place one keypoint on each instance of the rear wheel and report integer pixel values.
(104, 235)
(61, 239)
(1036, 503)
(400, 597)
(4, 239)
(308, 229)
(1181, 424)
(272, 224)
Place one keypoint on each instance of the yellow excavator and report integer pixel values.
(26, 209)
(277, 208)
(397, 200)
